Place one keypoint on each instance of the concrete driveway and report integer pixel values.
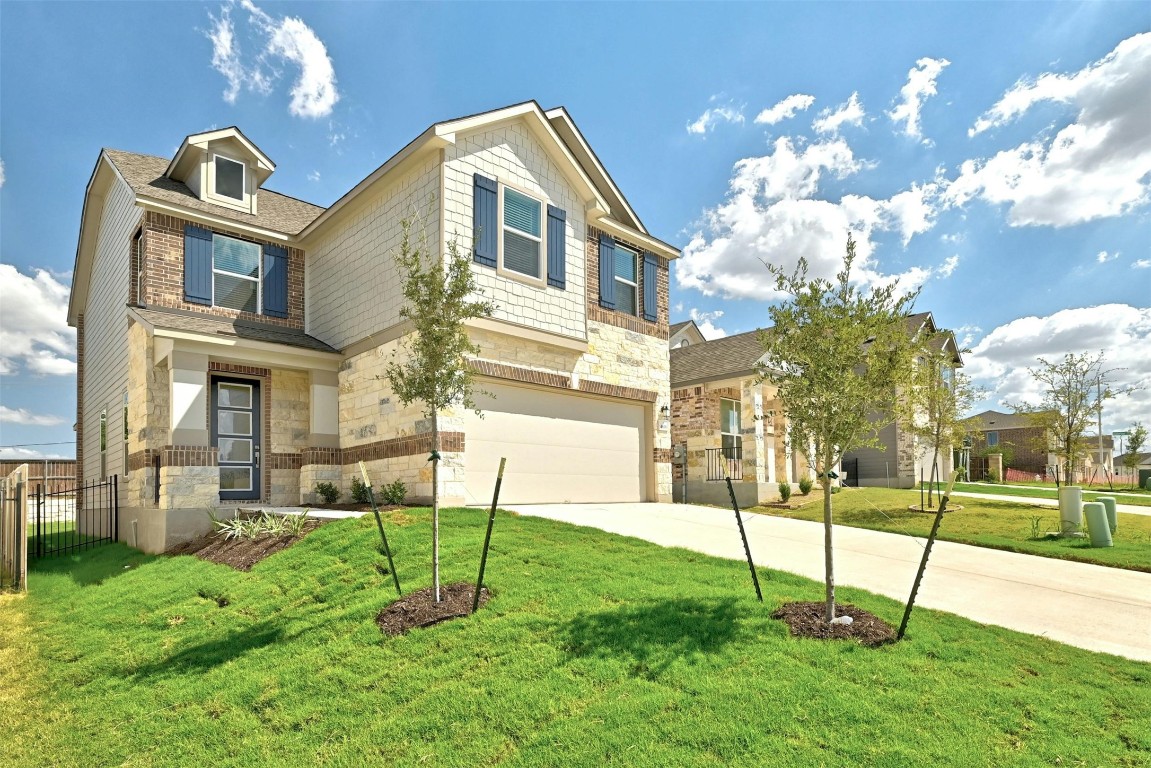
(1089, 606)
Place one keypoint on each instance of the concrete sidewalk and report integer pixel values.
(1089, 606)
(1130, 509)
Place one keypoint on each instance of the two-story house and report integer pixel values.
(232, 341)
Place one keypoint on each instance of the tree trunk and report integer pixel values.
(436, 505)
(828, 560)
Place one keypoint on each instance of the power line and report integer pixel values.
(34, 445)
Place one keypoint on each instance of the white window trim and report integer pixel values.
(258, 280)
(635, 285)
(210, 193)
(542, 280)
(738, 434)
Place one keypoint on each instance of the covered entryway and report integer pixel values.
(560, 447)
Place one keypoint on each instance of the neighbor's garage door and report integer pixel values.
(560, 447)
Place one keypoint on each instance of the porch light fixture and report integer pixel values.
(664, 421)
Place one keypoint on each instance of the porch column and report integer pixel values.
(324, 418)
(188, 396)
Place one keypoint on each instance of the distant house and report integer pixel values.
(1026, 447)
(1101, 459)
(726, 419)
(901, 458)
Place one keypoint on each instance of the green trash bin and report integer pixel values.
(1096, 516)
(1108, 503)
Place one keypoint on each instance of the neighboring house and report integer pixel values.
(240, 336)
(902, 458)
(1100, 459)
(1026, 447)
(727, 419)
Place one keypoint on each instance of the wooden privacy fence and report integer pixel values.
(53, 474)
(14, 529)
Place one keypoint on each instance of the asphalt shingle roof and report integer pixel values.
(994, 420)
(176, 320)
(719, 358)
(145, 174)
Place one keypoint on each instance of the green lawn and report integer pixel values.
(983, 522)
(1121, 495)
(595, 651)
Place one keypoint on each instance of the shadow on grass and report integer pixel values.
(654, 635)
(201, 657)
(90, 566)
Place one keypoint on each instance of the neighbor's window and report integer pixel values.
(235, 274)
(229, 178)
(523, 233)
(729, 427)
(626, 280)
(992, 439)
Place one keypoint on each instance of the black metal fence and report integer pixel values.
(724, 462)
(75, 518)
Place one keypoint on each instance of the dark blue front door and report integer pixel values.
(236, 433)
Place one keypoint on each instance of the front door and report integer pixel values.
(236, 433)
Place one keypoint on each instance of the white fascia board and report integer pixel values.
(613, 227)
(586, 152)
(91, 213)
(264, 352)
(201, 140)
(192, 214)
(416, 147)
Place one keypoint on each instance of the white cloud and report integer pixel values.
(1123, 333)
(848, 113)
(27, 454)
(948, 267)
(771, 215)
(713, 116)
(314, 176)
(1103, 257)
(1, 173)
(1096, 166)
(920, 85)
(34, 332)
(276, 40)
(1141, 264)
(705, 321)
(797, 102)
(23, 416)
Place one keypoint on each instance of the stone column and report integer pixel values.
(188, 397)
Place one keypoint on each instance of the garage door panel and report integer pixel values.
(560, 447)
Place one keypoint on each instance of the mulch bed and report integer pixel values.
(419, 609)
(240, 554)
(806, 620)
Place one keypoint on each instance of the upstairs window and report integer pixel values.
(235, 274)
(522, 233)
(229, 178)
(992, 439)
(626, 280)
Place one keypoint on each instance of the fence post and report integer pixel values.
(115, 507)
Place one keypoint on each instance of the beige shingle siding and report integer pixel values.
(145, 174)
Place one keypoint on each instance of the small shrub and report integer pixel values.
(243, 527)
(361, 494)
(1036, 528)
(805, 485)
(784, 490)
(328, 492)
(394, 493)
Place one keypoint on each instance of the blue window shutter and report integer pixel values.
(606, 272)
(557, 255)
(486, 220)
(197, 264)
(275, 281)
(650, 267)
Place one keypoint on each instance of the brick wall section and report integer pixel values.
(189, 456)
(1028, 447)
(559, 381)
(162, 263)
(695, 420)
(598, 314)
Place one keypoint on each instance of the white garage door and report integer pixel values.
(560, 448)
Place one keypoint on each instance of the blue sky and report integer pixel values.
(996, 154)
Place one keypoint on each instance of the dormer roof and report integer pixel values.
(188, 156)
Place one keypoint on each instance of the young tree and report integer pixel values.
(1073, 392)
(839, 357)
(936, 398)
(1136, 437)
(430, 365)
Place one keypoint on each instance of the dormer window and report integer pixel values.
(229, 178)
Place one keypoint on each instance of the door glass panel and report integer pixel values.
(235, 478)
(235, 396)
(235, 422)
(235, 450)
